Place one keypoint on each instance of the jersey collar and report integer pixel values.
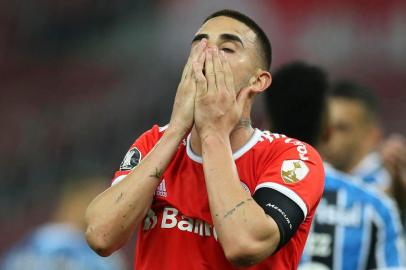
(236, 155)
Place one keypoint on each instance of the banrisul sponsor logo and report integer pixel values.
(173, 219)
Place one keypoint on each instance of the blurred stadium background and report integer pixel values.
(80, 79)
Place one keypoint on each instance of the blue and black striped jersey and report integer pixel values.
(355, 227)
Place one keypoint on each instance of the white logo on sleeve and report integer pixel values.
(131, 159)
(293, 171)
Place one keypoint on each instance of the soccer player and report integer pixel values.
(355, 134)
(208, 191)
(354, 227)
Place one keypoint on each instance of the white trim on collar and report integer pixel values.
(368, 164)
(236, 155)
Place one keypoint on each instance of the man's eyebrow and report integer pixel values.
(231, 37)
(200, 37)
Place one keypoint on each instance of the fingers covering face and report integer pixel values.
(217, 71)
(209, 70)
(195, 52)
(201, 83)
(228, 74)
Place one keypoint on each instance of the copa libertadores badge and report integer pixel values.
(131, 159)
(293, 171)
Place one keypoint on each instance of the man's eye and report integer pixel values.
(343, 127)
(227, 50)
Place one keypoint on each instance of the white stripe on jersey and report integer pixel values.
(118, 180)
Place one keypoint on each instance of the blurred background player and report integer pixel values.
(356, 133)
(354, 227)
(60, 243)
(357, 146)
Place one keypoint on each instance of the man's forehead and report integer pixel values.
(346, 107)
(222, 24)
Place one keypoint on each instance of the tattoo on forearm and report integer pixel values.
(158, 173)
(119, 197)
(230, 212)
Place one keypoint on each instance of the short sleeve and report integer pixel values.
(388, 248)
(138, 150)
(296, 172)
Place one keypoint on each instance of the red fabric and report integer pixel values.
(178, 231)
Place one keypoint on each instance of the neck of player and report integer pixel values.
(240, 135)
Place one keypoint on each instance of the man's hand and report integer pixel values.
(393, 152)
(217, 108)
(183, 108)
(245, 233)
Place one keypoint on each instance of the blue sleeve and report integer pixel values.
(390, 249)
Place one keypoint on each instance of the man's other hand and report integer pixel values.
(182, 117)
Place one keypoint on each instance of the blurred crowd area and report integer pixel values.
(80, 80)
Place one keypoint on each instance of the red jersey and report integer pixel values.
(178, 231)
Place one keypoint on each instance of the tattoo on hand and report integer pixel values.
(158, 173)
(230, 212)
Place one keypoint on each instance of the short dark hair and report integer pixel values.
(297, 101)
(264, 43)
(351, 90)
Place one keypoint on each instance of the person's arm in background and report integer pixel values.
(112, 216)
(393, 153)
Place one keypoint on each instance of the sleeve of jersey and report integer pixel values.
(290, 187)
(138, 150)
(389, 249)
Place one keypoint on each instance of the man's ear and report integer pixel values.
(261, 81)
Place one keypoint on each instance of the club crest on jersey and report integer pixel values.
(131, 159)
(293, 171)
